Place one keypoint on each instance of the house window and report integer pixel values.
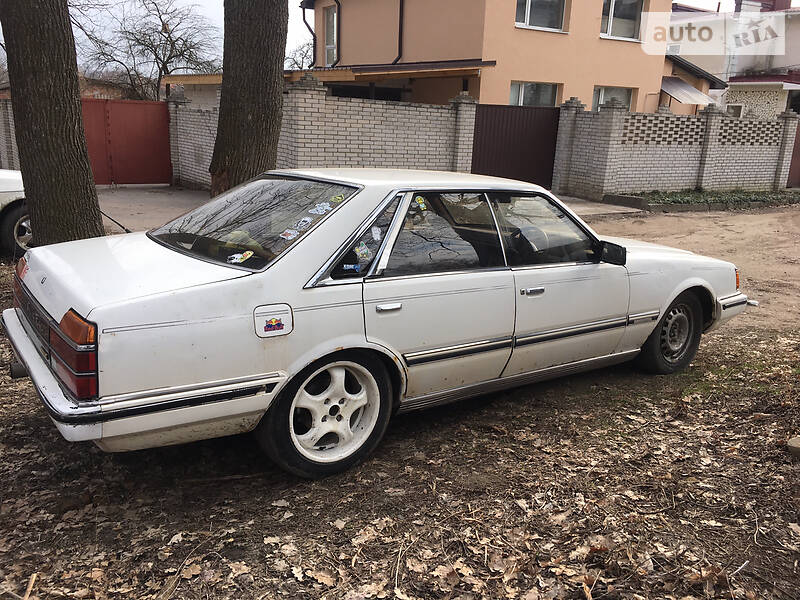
(621, 18)
(533, 94)
(606, 94)
(541, 13)
(330, 35)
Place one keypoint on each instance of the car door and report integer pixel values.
(441, 295)
(569, 305)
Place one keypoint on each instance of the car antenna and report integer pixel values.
(116, 222)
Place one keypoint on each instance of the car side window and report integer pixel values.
(359, 258)
(445, 232)
(536, 232)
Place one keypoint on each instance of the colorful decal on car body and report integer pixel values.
(273, 325)
(290, 234)
(303, 223)
(321, 208)
(235, 259)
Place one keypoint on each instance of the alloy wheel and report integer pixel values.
(334, 411)
(23, 232)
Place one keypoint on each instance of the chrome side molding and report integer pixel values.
(496, 385)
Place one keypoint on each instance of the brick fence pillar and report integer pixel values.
(788, 120)
(564, 143)
(607, 134)
(303, 124)
(710, 151)
(465, 107)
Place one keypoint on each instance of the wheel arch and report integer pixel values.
(393, 364)
(704, 293)
(10, 205)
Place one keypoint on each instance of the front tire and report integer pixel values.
(15, 231)
(674, 342)
(330, 417)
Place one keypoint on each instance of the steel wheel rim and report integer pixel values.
(676, 333)
(22, 231)
(334, 412)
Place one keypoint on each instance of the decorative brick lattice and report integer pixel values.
(663, 130)
(737, 132)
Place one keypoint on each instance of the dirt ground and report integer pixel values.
(610, 484)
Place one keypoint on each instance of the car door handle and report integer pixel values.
(532, 291)
(382, 308)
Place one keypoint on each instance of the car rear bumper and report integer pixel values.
(143, 420)
(77, 423)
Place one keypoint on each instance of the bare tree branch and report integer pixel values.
(300, 57)
(140, 41)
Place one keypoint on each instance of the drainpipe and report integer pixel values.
(400, 34)
(338, 33)
(313, 38)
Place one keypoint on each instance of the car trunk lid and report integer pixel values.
(86, 274)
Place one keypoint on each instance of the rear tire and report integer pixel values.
(15, 230)
(674, 342)
(330, 417)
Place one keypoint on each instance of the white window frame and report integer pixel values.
(331, 46)
(607, 33)
(525, 25)
(739, 106)
(601, 97)
(521, 95)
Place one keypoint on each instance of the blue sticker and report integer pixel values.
(355, 268)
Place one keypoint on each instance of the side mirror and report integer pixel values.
(613, 254)
(347, 267)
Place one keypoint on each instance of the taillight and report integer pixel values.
(737, 279)
(20, 271)
(22, 268)
(73, 355)
(77, 329)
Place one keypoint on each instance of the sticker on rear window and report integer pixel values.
(235, 259)
(321, 208)
(303, 223)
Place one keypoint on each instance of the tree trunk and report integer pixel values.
(252, 91)
(43, 73)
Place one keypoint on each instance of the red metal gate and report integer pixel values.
(518, 142)
(128, 141)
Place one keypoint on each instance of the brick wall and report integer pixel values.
(326, 131)
(612, 151)
(9, 159)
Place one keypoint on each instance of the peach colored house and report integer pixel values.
(533, 52)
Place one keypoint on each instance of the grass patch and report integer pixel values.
(731, 199)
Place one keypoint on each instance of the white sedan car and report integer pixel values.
(311, 306)
(15, 224)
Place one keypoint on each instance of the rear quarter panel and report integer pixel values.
(207, 333)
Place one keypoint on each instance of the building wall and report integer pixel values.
(324, 131)
(202, 96)
(703, 85)
(760, 101)
(579, 59)
(616, 152)
(452, 29)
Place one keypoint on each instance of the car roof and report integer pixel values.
(403, 178)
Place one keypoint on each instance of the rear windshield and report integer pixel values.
(251, 225)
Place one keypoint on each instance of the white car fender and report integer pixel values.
(346, 342)
(686, 284)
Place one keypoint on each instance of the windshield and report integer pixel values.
(253, 224)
